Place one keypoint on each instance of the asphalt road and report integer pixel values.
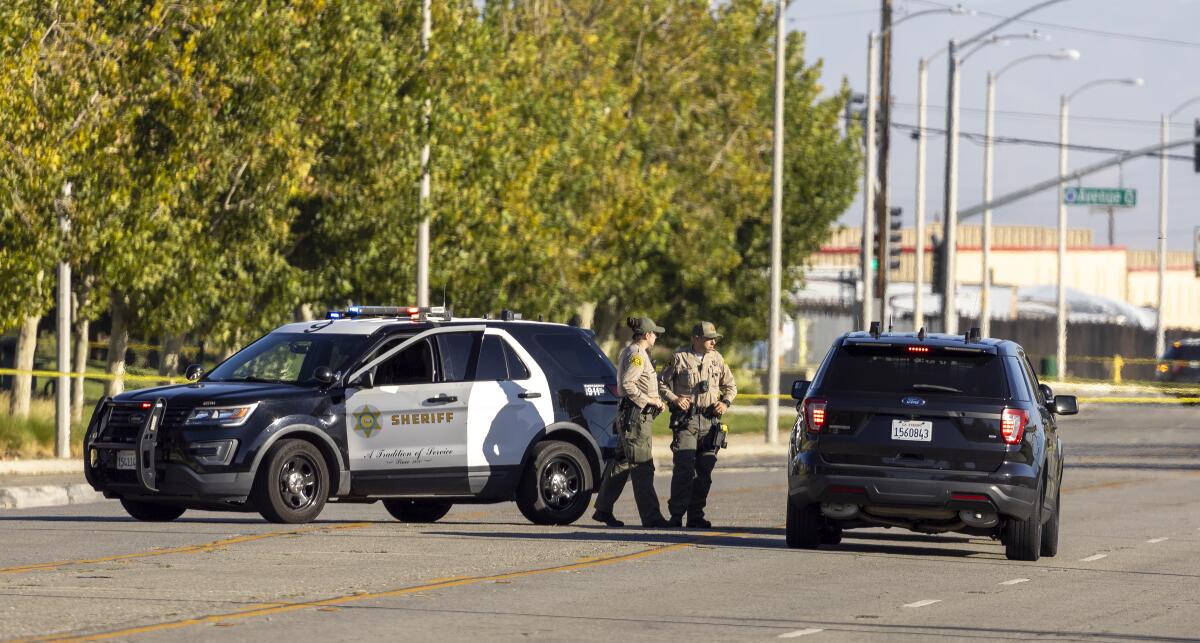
(1128, 567)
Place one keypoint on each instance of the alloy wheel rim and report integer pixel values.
(298, 482)
(560, 483)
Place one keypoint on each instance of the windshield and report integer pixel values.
(288, 358)
(1183, 351)
(885, 370)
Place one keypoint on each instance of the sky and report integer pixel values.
(1155, 40)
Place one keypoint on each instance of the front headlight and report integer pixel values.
(221, 415)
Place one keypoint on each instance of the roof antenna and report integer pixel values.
(874, 329)
(891, 322)
(921, 334)
(972, 335)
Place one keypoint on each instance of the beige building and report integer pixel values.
(1028, 256)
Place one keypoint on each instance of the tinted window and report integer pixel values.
(576, 355)
(413, 365)
(458, 353)
(890, 370)
(1183, 352)
(1021, 390)
(491, 360)
(516, 368)
(1033, 381)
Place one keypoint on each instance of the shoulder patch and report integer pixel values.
(636, 360)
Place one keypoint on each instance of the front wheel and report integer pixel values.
(555, 488)
(417, 510)
(151, 512)
(804, 525)
(293, 483)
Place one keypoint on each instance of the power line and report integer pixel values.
(1014, 140)
(1105, 120)
(1095, 32)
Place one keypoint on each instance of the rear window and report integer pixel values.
(1183, 351)
(576, 355)
(858, 369)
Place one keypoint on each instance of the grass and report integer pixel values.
(33, 436)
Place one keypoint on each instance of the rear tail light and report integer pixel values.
(918, 349)
(1012, 425)
(814, 414)
(1179, 366)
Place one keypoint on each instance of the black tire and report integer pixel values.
(804, 525)
(1023, 538)
(150, 511)
(417, 510)
(556, 487)
(292, 484)
(1050, 529)
(831, 534)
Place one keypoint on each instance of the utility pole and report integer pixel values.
(885, 126)
(772, 432)
(62, 415)
(919, 211)
(423, 205)
(950, 196)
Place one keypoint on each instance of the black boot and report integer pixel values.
(675, 521)
(607, 518)
(698, 523)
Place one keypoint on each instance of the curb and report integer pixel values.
(40, 467)
(76, 493)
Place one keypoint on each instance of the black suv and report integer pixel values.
(404, 405)
(1181, 362)
(937, 433)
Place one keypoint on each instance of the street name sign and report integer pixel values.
(1107, 197)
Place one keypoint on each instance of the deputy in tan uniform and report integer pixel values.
(700, 387)
(640, 404)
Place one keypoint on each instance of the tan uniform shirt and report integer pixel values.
(635, 376)
(685, 372)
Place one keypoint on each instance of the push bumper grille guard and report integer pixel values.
(145, 445)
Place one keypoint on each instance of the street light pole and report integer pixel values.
(919, 210)
(1061, 291)
(772, 432)
(1160, 343)
(868, 221)
(985, 308)
(62, 416)
(423, 205)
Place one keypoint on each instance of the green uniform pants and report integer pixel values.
(691, 477)
(633, 460)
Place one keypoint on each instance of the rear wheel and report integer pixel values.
(293, 483)
(555, 487)
(831, 534)
(1023, 538)
(1050, 529)
(151, 512)
(804, 525)
(417, 510)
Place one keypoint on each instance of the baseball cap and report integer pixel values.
(647, 325)
(706, 330)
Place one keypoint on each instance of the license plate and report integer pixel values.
(126, 460)
(916, 430)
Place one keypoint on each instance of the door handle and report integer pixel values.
(528, 395)
(442, 399)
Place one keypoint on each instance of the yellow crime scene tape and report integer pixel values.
(169, 379)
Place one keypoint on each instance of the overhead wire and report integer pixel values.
(975, 137)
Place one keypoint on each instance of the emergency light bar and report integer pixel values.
(414, 313)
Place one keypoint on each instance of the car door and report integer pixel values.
(510, 406)
(1054, 455)
(407, 418)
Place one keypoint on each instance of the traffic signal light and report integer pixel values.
(1196, 149)
(853, 114)
(894, 238)
(939, 266)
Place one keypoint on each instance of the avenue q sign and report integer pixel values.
(1105, 197)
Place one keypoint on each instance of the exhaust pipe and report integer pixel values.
(976, 518)
(839, 511)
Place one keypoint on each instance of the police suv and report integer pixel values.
(400, 404)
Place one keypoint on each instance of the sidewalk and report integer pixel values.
(27, 484)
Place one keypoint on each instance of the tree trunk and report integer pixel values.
(607, 322)
(172, 346)
(23, 384)
(82, 327)
(303, 312)
(118, 343)
(586, 314)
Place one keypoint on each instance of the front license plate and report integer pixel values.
(916, 430)
(126, 460)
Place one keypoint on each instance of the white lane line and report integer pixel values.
(1155, 540)
(928, 601)
(792, 635)
(1015, 581)
(1093, 557)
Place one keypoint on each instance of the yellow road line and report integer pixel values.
(187, 549)
(220, 619)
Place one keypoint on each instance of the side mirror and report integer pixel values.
(323, 375)
(366, 380)
(799, 388)
(1047, 393)
(1065, 405)
(193, 372)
